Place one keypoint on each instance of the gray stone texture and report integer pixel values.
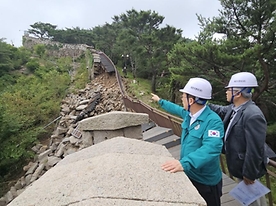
(133, 132)
(120, 171)
(113, 120)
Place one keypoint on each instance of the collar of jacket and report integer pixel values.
(246, 104)
(203, 115)
(238, 114)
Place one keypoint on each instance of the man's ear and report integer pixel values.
(238, 94)
(191, 100)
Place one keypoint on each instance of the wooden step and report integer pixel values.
(228, 185)
(169, 141)
(175, 151)
(147, 126)
(156, 133)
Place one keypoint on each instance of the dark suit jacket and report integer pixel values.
(245, 140)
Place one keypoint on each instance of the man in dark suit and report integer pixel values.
(245, 131)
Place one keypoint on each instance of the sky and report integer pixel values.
(17, 15)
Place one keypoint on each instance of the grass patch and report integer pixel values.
(139, 89)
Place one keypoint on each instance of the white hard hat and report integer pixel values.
(243, 79)
(198, 87)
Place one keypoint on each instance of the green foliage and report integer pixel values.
(250, 35)
(64, 64)
(27, 103)
(105, 38)
(32, 65)
(42, 30)
(271, 133)
(5, 59)
(70, 36)
(40, 49)
(249, 47)
(6, 81)
(81, 77)
(73, 36)
(147, 45)
(20, 57)
(12, 58)
(164, 87)
(139, 89)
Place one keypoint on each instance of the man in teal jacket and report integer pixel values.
(201, 140)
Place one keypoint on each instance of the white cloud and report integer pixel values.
(17, 15)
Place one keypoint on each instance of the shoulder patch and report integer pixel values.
(213, 133)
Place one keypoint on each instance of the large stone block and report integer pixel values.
(134, 132)
(100, 136)
(113, 120)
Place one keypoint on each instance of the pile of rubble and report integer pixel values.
(102, 95)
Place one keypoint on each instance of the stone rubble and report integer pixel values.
(62, 142)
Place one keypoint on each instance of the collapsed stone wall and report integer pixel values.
(62, 142)
(56, 48)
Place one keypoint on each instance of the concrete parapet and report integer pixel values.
(119, 171)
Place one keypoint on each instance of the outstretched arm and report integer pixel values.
(155, 97)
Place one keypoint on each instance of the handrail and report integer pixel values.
(169, 121)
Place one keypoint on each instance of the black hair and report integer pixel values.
(198, 100)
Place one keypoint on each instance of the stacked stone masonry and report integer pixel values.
(62, 143)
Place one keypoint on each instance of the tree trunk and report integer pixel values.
(153, 82)
(264, 86)
(173, 88)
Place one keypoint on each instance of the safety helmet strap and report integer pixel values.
(233, 95)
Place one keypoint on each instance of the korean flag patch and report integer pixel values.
(213, 133)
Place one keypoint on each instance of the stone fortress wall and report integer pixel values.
(57, 49)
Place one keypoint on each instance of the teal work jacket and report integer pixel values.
(201, 143)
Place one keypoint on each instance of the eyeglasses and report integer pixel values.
(230, 89)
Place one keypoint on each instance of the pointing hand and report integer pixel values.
(155, 97)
